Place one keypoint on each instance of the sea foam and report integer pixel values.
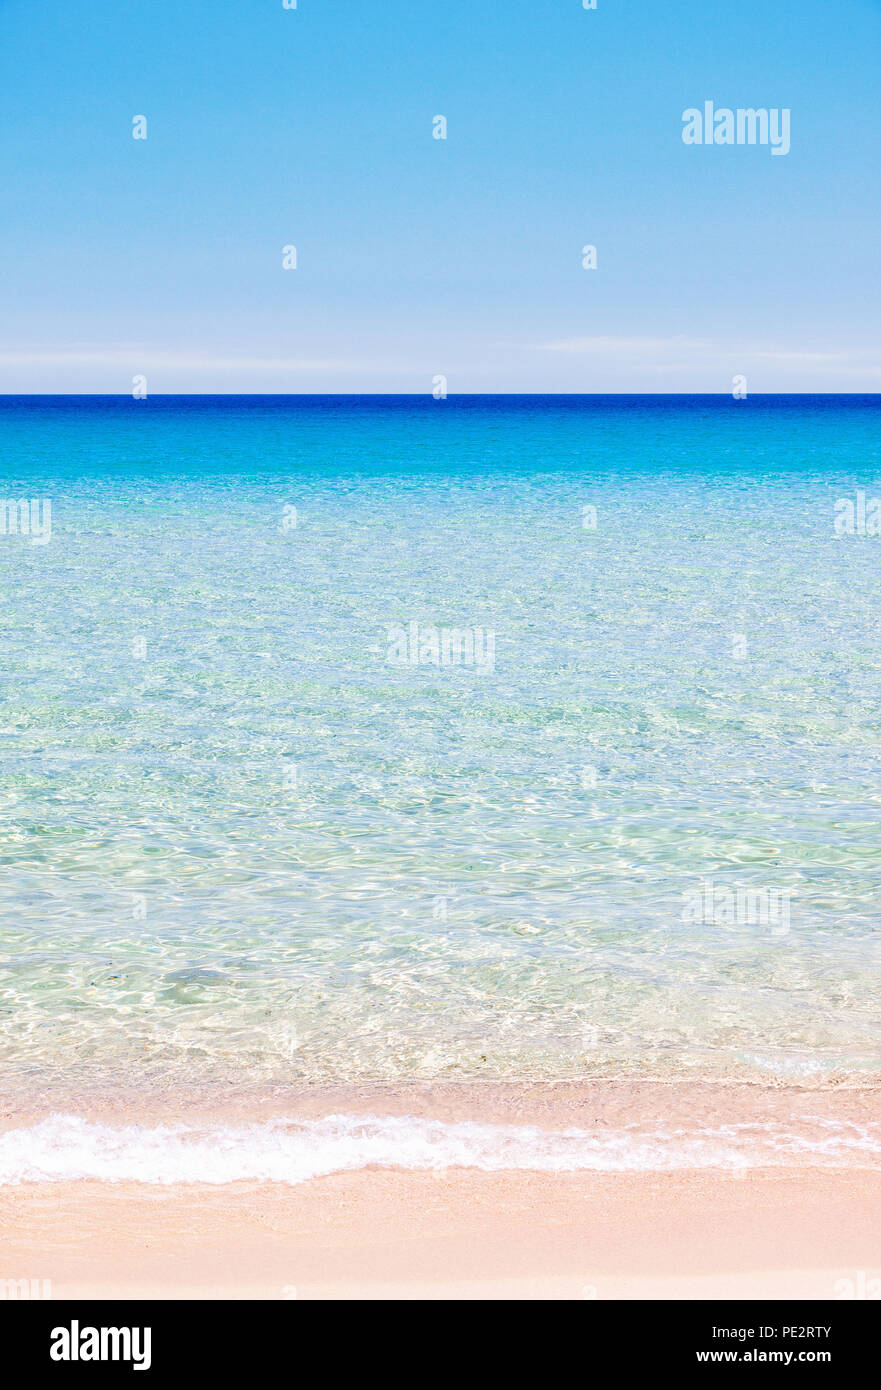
(62, 1148)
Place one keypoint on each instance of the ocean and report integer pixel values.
(388, 740)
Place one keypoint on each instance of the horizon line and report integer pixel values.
(415, 395)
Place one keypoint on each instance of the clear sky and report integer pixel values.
(312, 127)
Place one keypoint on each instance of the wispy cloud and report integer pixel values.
(738, 352)
(788, 355)
(624, 345)
(142, 357)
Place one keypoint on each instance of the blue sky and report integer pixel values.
(416, 257)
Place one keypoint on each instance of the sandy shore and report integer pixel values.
(380, 1234)
(788, 1231)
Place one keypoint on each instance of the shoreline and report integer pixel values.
(542, 1101)
(796, 1230)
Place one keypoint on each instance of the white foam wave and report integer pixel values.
(66, 1147)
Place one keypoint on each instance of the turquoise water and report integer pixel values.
(240, 843)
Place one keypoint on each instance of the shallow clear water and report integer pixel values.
(238, 842)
